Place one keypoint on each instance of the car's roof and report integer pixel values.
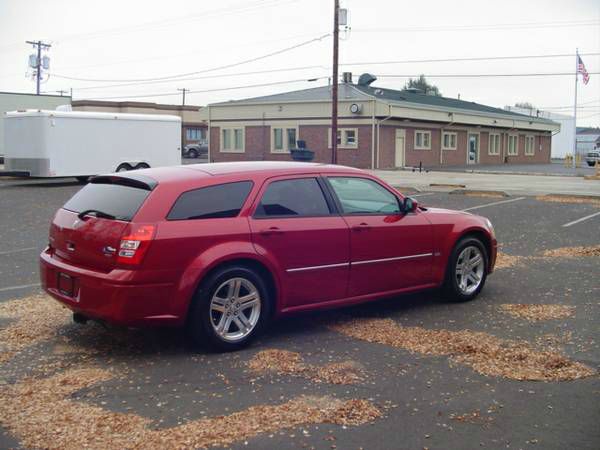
(191, 172)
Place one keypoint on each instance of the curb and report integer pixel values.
(480, 192)
(444, 185)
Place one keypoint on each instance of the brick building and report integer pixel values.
(378, 128)
(193, 125)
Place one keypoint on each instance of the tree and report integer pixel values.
(422, 84)
(524, 105)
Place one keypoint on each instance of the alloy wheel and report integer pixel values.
(235, 309)
(469, 269)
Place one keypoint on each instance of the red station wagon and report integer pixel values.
(224, 248)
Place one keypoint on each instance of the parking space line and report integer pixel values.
(581, 220)
(502, 202)
(20, 250)
(422, 195)
(22, 286)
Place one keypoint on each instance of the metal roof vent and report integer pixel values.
(366, 79)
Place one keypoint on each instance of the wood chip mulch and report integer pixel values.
(43, 414)
(573, 252)
(284, 362)
(484, 353)
(36, 319)
(505, 261)
(535, 313)
(567, 199)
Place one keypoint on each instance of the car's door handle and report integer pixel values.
(271, 230)
(361, 227)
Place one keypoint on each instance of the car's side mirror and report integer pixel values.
(409, 205)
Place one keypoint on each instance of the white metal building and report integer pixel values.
(563, 141)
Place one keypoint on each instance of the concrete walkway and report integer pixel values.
(512, 184)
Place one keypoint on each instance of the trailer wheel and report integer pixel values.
(142, 166)
(124, 168)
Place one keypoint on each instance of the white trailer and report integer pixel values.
(41, 143)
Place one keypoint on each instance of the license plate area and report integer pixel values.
(65, 284)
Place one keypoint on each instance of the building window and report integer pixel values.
(449, 141)
(494, 145)
(513, 145)
(283, 139)
(346, 138)
(422, 140)
(529, 145)
(232, 140)
(195, 134)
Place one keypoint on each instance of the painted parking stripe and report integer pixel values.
(582, 219)
(23, 286)
(422, 195)
(20, 250)
(502, 202)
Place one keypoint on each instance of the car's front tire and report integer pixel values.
(229, 309)
(467, 270)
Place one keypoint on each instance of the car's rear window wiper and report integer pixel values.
(95, 212)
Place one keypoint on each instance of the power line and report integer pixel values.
(488, 58)
(486, 27)
(486, 75)
(257, 72)
(482, 58)
(241, 7)
(227, 66)
(166, 94)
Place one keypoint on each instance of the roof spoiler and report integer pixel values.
(130, 179)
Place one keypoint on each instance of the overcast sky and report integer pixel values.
(135, 40)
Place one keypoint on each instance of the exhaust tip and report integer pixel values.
(80, 318)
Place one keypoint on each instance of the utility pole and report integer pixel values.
(334, 91)
(574, 164)
(38, 65)
(183, 90)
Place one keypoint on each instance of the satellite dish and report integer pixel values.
(366, 79)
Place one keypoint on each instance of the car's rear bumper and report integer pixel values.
(122, 297)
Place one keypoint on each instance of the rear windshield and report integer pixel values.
(119, 201)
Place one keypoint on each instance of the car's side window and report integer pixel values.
(222, 200)
(363, 196)
(297, 197)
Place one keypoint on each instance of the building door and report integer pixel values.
(473, 149)
(399, 155)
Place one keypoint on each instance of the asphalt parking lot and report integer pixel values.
(384, 375)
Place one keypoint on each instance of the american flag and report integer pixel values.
(582, 70)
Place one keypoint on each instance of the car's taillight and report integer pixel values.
(135, 243)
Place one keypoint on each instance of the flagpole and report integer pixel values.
(575, 108)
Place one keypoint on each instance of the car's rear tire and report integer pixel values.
(192, 153)
(142, 166)
(123, 167)
(229, 309)
(467, 270)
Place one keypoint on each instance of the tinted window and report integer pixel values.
(223, 200)
(298, 197)
(119, 201)
(363, 196)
